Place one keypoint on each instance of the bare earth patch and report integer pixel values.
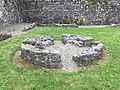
(15, 29)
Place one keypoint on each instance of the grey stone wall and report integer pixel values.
(59, 11)
(72, 11)
(9, 12)
(2, 13)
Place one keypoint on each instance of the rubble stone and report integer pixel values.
(40, 40)
(89, 12)
(41, 51)
(33, 50)
(31, 26)
(4, 36)
(77, 40)
(94, 53)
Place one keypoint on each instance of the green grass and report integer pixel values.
(101, 77)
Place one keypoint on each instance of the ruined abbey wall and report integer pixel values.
(70, 11)
(9, 13)
(60, 11)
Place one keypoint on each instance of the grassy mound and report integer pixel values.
(102, 76)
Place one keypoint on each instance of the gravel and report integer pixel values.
(14, 29)
(66, 52)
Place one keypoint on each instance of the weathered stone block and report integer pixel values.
(77, 40)
(40, 56)
(94, 53)
(4, 36)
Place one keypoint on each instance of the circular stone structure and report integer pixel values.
(68, 54)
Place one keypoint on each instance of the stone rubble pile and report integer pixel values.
(115, 25)
(90, 55)
(36, 50)
(4, 36)
(58, 25)
(80, 41)
(93, 53)
(31, 26)
(40, 57)
(40, 41)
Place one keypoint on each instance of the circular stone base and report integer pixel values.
(70, 52)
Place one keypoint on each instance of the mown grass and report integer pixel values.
(101, 77)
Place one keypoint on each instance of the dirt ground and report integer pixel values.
(14, 29)
(17, 28)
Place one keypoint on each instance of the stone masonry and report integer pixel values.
(94, 53)
(4, 36)
(80, 41)
(60, 11)
(33, 50)
(9, 12)
(44, 51)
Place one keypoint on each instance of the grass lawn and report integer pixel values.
(101, 77)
